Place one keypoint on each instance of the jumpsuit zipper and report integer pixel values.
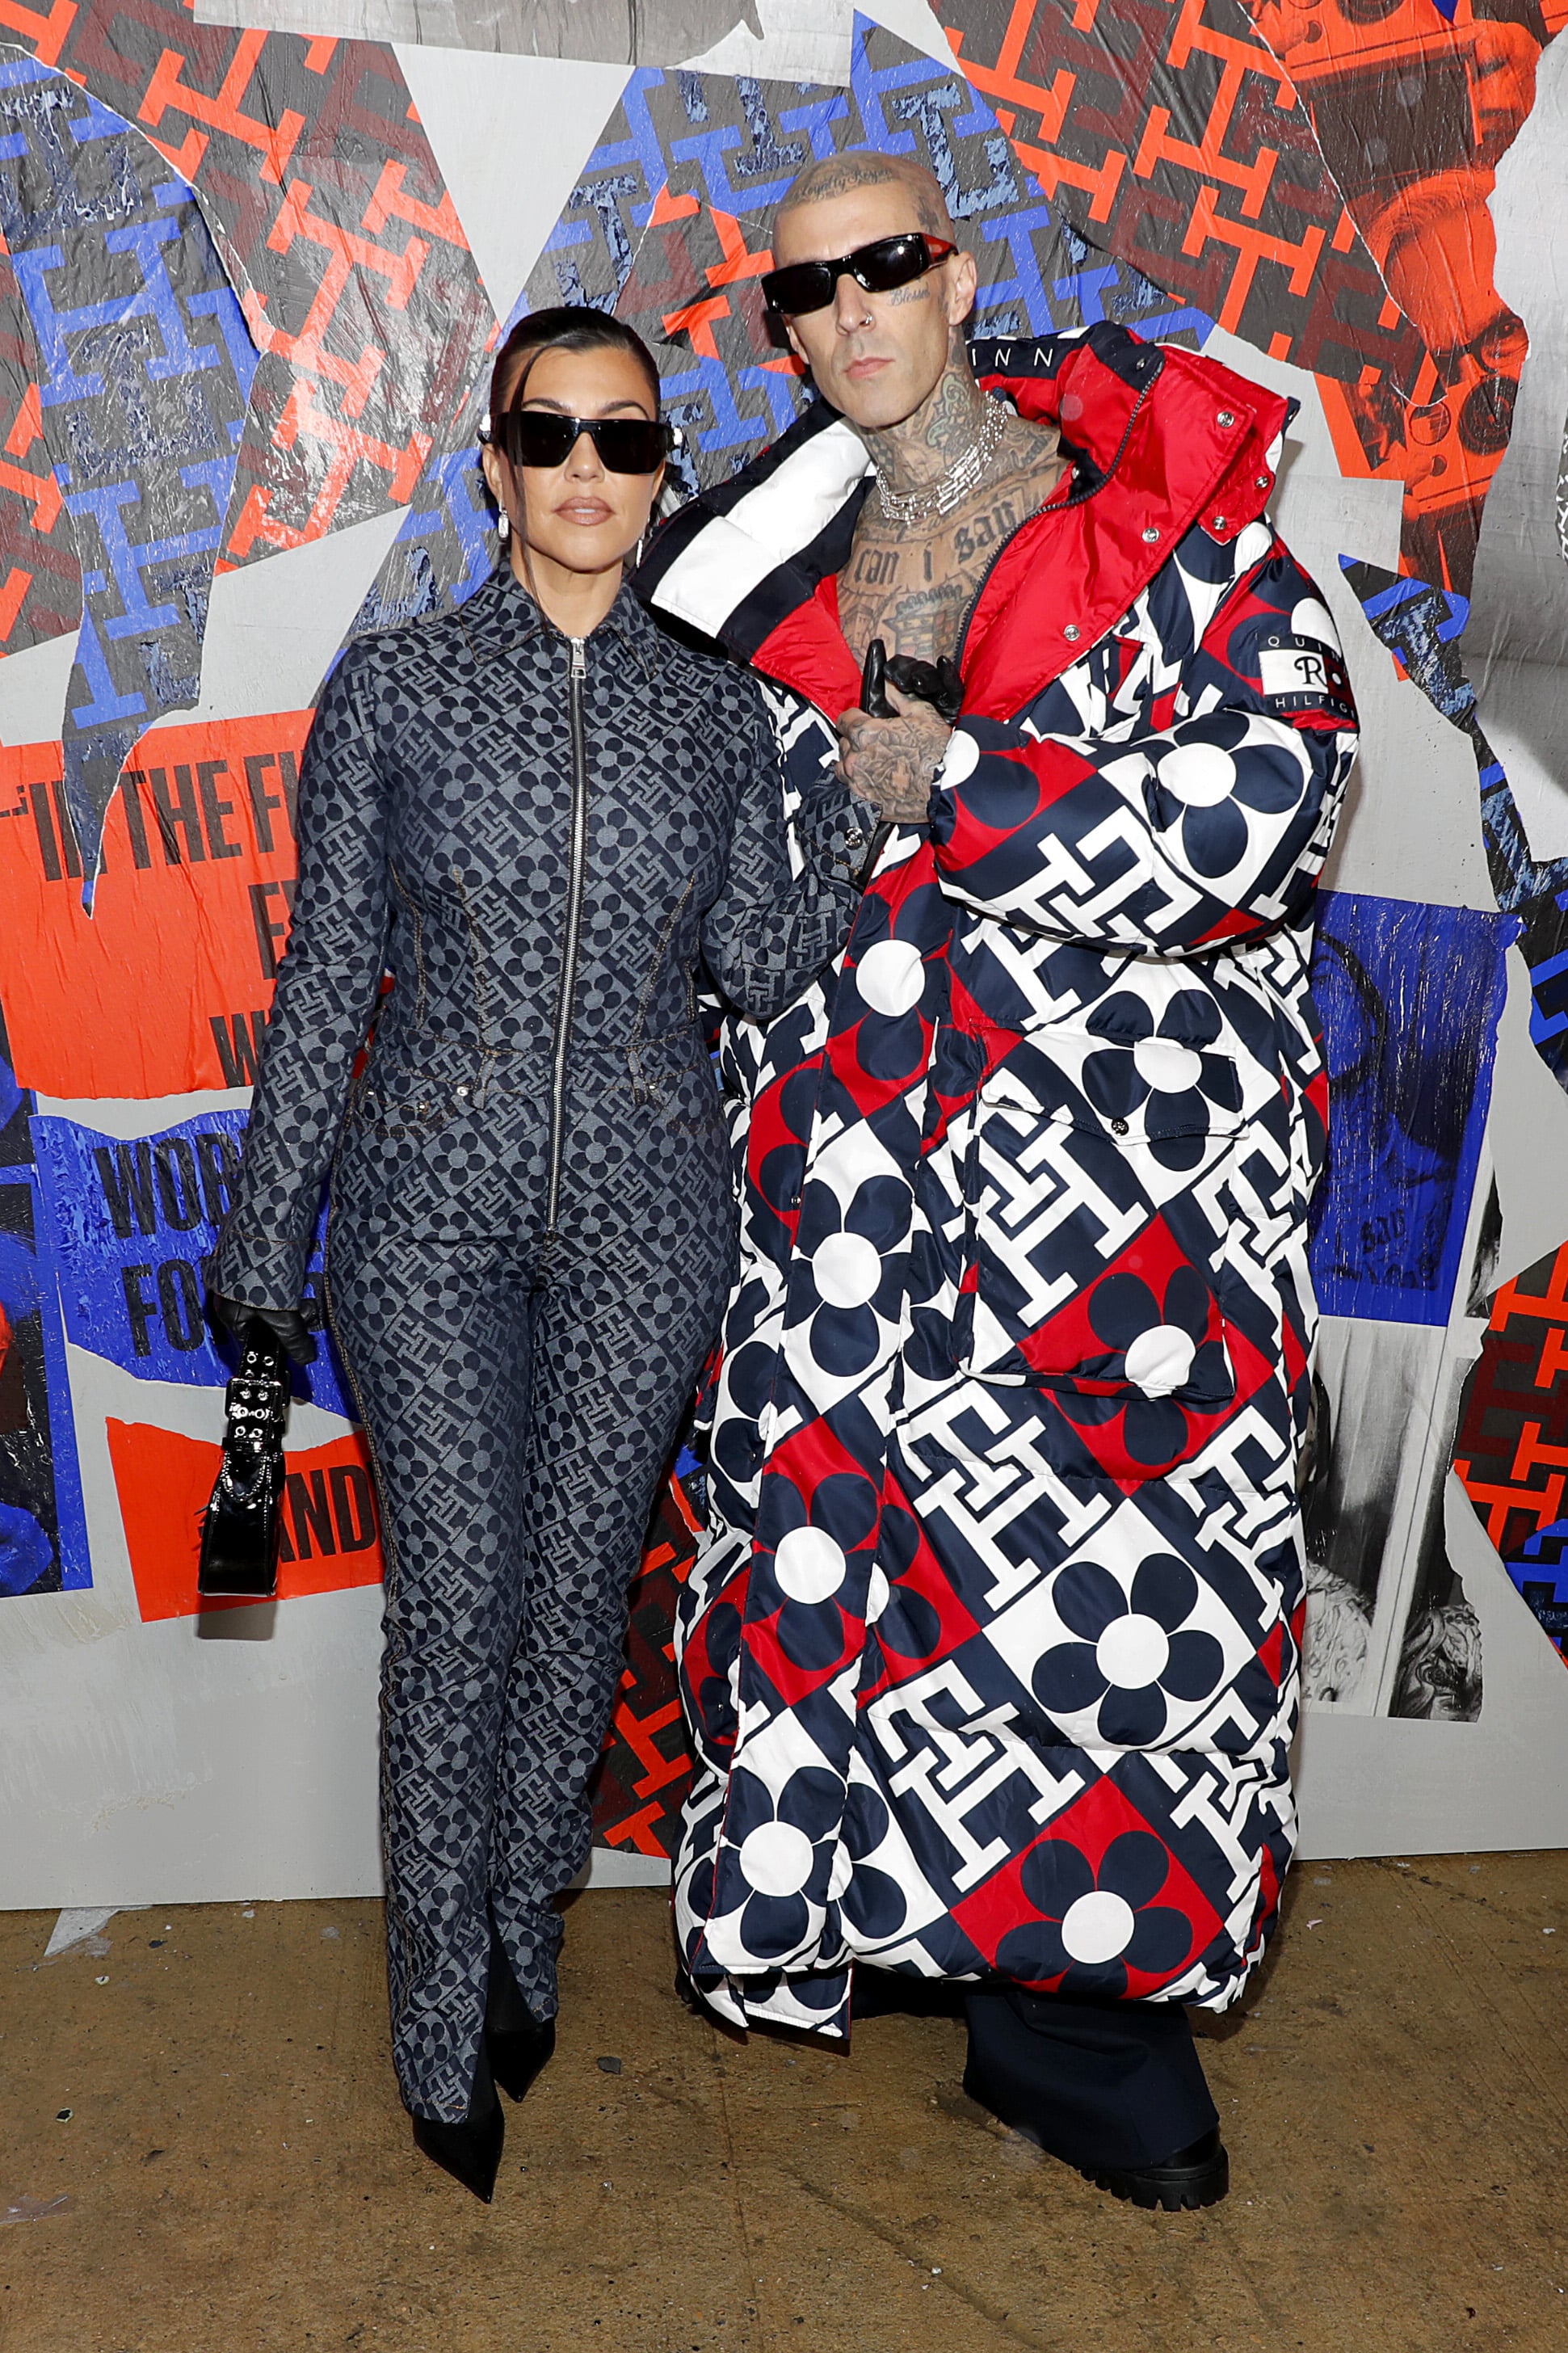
(572, 940)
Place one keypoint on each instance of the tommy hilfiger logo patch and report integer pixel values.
(1303, 674)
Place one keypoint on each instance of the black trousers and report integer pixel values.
(1095, 2082)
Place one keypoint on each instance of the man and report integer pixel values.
(990, 1655)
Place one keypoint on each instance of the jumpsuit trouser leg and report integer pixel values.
(519, 1414)
(619, 1343)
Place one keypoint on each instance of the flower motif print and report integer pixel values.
(776, 1153)
(856, 1265)
(710, 1652)
(1133, 1655)
(1097, 1924)
(874, 1901)
(1163, 1071)
(886, 978)
(807, 1601)
(784, 1854)
(1164, 1344)
(1201, 791)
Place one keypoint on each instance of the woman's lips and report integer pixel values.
(584, 510)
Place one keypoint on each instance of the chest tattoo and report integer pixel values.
(914, 589)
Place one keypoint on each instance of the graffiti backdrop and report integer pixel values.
(241, 326)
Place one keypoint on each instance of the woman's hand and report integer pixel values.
(286, 1324)
(893, 761)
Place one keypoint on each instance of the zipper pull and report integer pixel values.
(579, 657)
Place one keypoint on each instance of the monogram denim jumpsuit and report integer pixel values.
(547, 843)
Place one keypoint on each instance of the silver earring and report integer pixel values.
(503, 523)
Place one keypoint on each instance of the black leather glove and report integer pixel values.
(287, 1325)
(939, 683)
(874, 682)
(242, 1527)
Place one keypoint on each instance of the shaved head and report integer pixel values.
(875, 357)
(843, 175)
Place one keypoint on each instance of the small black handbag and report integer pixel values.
(243, 1522)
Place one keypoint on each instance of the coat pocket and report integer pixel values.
(688, 1103)
(1092, 1234)
(409, 1105)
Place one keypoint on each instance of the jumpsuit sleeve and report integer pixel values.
(772, 930)
(327, 987)
(1206, 821)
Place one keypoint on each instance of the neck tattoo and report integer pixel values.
(931, 501)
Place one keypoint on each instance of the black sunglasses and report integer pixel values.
(890, 262)
(542, 437)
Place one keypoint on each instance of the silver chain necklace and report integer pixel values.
(934, 500)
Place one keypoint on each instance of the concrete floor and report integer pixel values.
(234, 2174)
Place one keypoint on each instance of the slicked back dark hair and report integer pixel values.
(570, 327)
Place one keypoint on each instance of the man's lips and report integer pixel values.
(870, 365)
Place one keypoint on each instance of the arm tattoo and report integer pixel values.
(893, 761)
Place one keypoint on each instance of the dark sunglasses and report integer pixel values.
(542, 437)
(890, 262)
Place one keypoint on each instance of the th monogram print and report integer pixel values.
(991, 1653)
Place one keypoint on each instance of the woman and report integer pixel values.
(545, 819)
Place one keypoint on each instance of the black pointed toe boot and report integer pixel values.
(516, 2045)
(470, 2152)
(517, 2057)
